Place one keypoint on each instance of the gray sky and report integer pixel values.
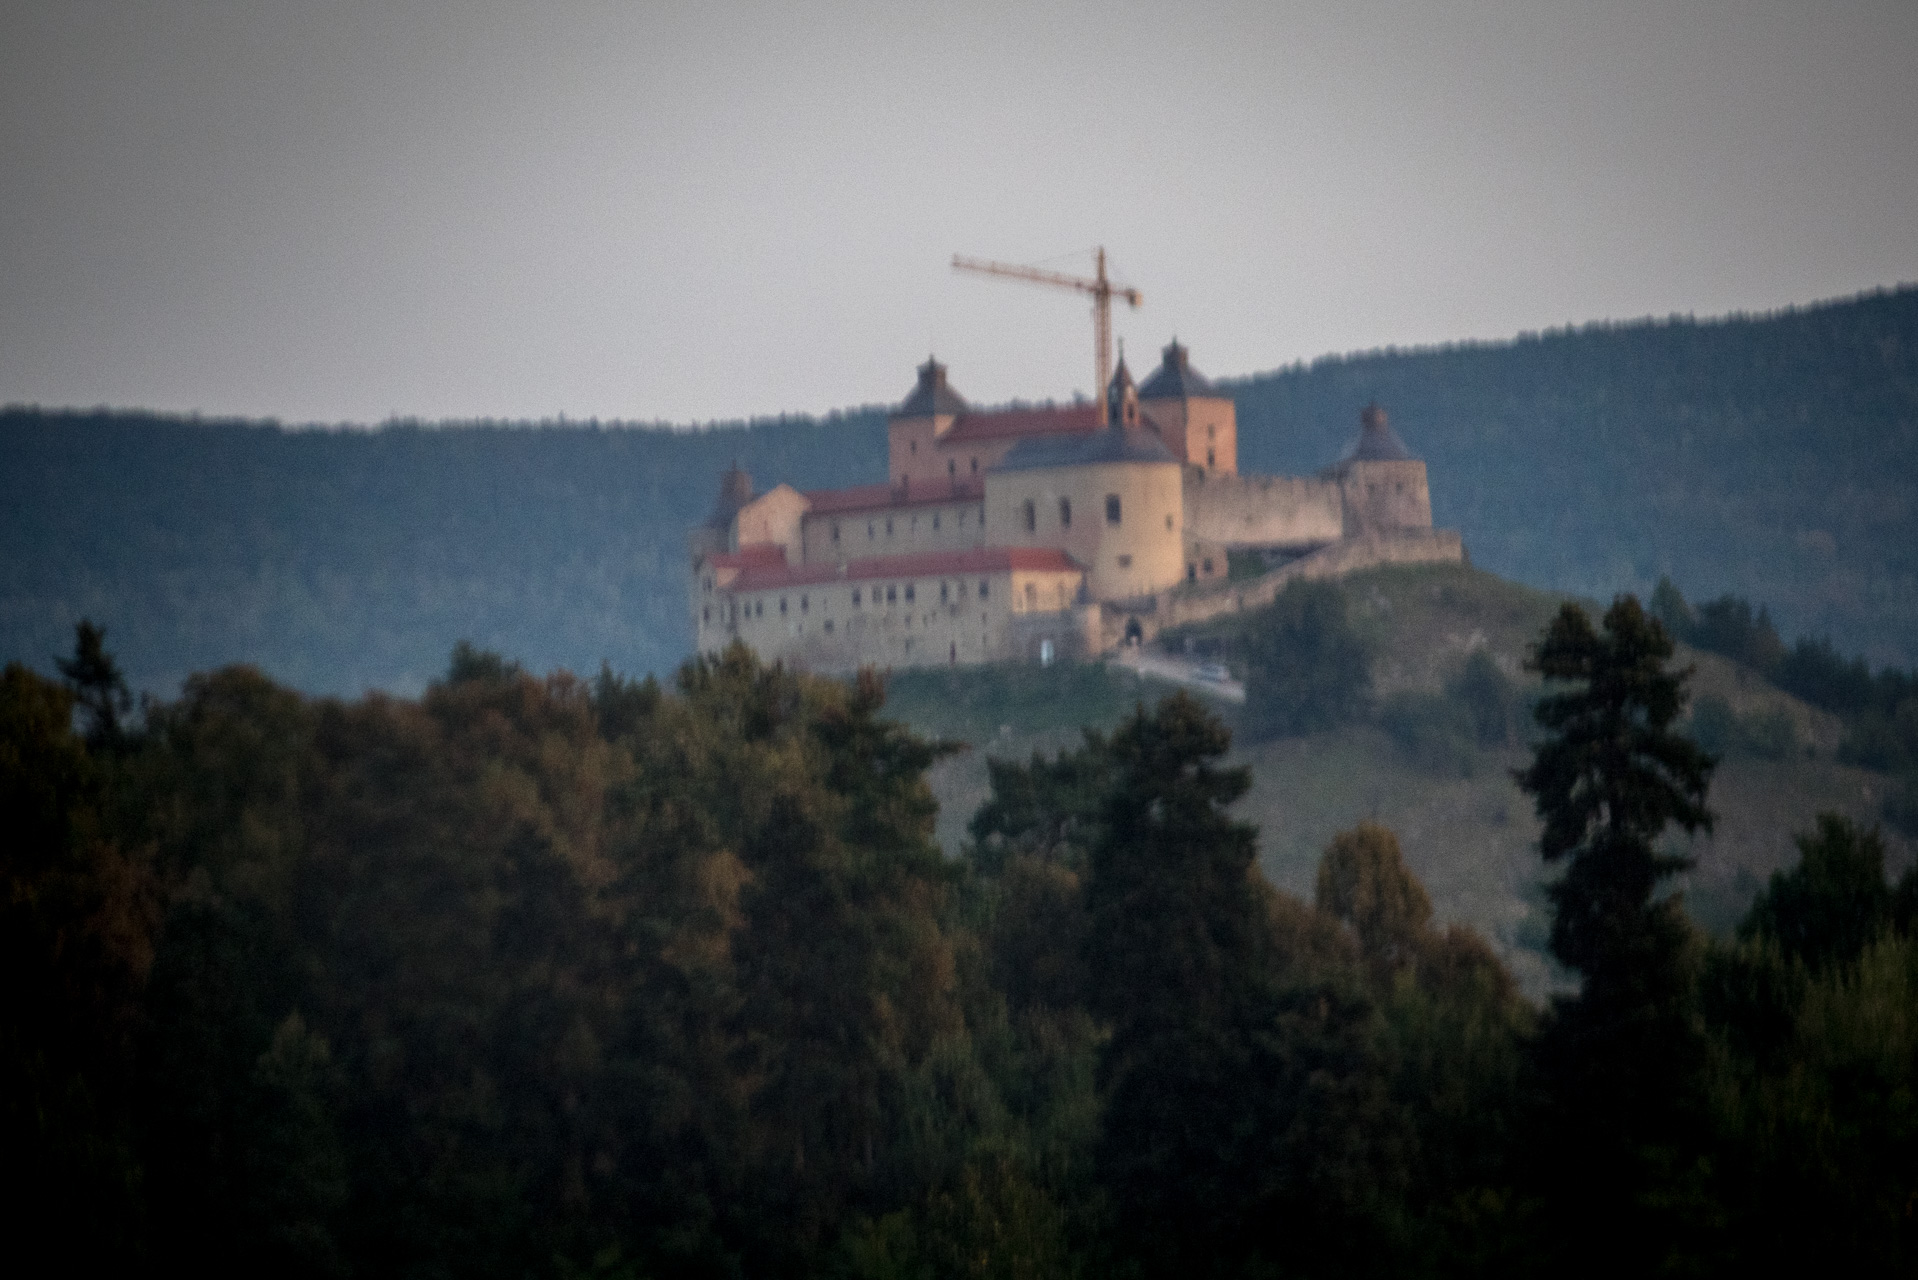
(662, 211)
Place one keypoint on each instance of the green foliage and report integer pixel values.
(1825, 911)
(1051, 809)
(1621, 1061)
(1307, 670)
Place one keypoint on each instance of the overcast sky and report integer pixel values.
(342, 212)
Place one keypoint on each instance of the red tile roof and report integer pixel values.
(1045, 420)
(923, 564)
(754, 555)
(874, 497)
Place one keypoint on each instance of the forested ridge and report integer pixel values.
(545, 976)
(1771, 456)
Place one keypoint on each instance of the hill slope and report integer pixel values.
(1774, 457)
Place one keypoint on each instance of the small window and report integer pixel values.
(944, 592)
(889, 526)
(1211, 431)
(802, 604)
(782, 606)
(1192, 573)
(892, 594)
(1032, 596)
(915, 524)
(759, 609)
(952, 468)
(1125, 562)
(1112, 508)
(706, 614)
(913, 447)
(1210, 460)
(909, 593)
(1065, 513)
(1032, 517)
(1168, 519)
(935, 522)
(975, 466)
(1208, 566)
(985, 588)
(835, 531)
(869, 533)
(855, 597)
(829, 626)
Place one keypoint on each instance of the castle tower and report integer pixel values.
(919, 423)
(1383, 485)
(1199, 426)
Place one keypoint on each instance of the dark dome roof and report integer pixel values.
(1377, 441)
(1175, 378)
(932, 395)
(1113, 444)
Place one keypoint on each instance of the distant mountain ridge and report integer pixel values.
(1773, 456)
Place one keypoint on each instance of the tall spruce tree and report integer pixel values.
(1619, 1061)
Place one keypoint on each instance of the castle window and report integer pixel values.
(782, 606)
(855, 597)
(909, 593)
(1065, 513)
(706, 614)
(1112, 508)
(1032, 517)
(1168, 519)
(935, 522)
(709, 583)
(944, 591)
(1125, 562)
(759, 609)
(869, 533)
(913, 447)
(982, 513)
(915, 524)
(1032, 596)
(985, 586)
(1210, 460)
(892, 594)
(835, 531)
(952, 468)
(975, 466)
(889, 526)
(1210, 431)
(802, 604)
(829, 626)
(1208, 566)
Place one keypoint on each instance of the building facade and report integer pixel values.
(1027, 533)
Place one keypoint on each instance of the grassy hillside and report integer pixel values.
(1773, 457)
(1467, 831)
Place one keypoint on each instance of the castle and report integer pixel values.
(1026, 534)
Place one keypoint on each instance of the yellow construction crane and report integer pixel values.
(1102, 290)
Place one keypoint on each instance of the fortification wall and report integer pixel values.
(1206, 601)
(1262, 511)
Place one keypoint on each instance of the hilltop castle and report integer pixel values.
(1033, 533)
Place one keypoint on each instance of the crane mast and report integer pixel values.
(1102, 291)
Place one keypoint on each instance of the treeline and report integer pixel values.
(551, 976)
(1769, 456)
(1879, 711)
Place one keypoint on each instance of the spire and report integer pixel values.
(1122, 396)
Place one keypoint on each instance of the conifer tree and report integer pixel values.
(1619, 1060)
